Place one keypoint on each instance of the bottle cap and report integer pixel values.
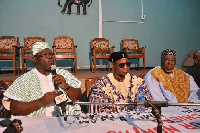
(141, 88)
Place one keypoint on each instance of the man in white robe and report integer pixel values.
(33, 93)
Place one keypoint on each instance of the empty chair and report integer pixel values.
(26, 53)
(100, 49)
(188, 61)
(64, 48)
(131, 46)
(9, 50)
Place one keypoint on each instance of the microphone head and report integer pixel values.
(53, 67)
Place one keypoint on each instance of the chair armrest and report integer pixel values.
(17, 47)
(22, 48)
(87, 87)
(16, 50)
(54, 49)
(92, 51)
(111, 50)
(125, 49)
(142, 49)
(6, 83)
(75, 49)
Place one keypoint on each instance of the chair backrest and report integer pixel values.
(63, 44)
(5, 83)
(130, 44)
(100, 45)
(7, 43)
(89, 83)
(141, 75)
(30, 41)
(64, 48)
(188, 61)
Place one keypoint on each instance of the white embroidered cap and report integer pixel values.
(38, 46)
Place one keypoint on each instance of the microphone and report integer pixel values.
(53, 72)
(61, 98)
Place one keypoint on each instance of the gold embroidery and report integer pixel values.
(178, 84)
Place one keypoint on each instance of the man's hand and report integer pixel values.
(72, 93)
(25, 108)
(48, 98)
(60, 80)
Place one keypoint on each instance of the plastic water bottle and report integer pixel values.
(140, 100)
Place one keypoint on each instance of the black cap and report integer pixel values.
(117, 56)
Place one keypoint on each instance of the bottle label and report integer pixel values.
(141, 98)
(60, 98)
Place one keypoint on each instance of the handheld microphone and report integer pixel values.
(61, 98)
(53, 72)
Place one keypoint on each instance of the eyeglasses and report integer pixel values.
(169, 61)
(128, 64)
(46, 55)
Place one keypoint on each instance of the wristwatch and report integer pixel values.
(66, 88)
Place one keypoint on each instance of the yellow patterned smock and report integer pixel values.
(179, 84)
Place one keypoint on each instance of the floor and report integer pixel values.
(84, 73)
(81, 75)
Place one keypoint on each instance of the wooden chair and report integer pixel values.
(9, 50)
(188, 61)
(64, 48)
(141, 75)
(26, 53)
(131, 46)
(90, 82)
(4, 84)
(100, 49)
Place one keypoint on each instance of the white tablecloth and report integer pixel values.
(175, 120)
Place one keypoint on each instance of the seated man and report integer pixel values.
(119, 86)
(194, 70)
(33, 93)
(167, 83)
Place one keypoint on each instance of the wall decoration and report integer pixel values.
(78, 3)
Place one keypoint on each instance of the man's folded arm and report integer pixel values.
(25, 108)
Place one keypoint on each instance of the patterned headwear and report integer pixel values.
(38, 46)
(168, 52)
(117, 56)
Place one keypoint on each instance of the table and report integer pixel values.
(175, 120)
